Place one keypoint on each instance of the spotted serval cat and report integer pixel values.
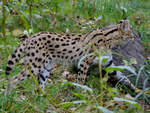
(44, 50)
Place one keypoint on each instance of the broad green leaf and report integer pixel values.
(128, 101)
(79, 101)
(104, 110)
(124, 100)
(37, 16)
(78, 85)
(139, 74)
(83, 87)
(81, 96)
(120, 68)
(36, 1)
(66, 104)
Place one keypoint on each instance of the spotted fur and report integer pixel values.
(44, 50)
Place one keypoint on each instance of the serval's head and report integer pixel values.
(126, 30)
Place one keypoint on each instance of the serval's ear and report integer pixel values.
(124, 25)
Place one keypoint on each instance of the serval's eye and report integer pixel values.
(121, 22)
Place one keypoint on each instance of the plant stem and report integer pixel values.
(4, 23)
(101, 80)
(30, 12)
(117, 10)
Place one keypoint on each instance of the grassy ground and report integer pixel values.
(66, 16)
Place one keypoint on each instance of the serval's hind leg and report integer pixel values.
(16, 79)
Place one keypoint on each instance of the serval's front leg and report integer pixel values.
(83, 69)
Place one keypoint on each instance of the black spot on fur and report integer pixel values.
(34, 65)
(42, 77)
(36, 51)
(49, 36)
(57, 39)
(100, 40)
(66, 57)
(109, 64)
(68, 37)
(39, 60)
(43, 54)
(69, 51)
(32, 54)
(48, 41)
(71, 57)
(77, 39)
(35, 42)
(65, 49)
(32, 71)
(44, 38)
(112, 73)
(10, 62)
(36, 58)
(13, 56)
(63, 44)
(51, 49)
(81, 65)
(18, 55)
(54, 56)
(78, 49)
(28, 54)
(58, 52)
(81, 71)
(57, 46)
(73, 42)
(30, 60)
(50, 45)
(81, 53)
(38, 34)
(8, 69)
(16, 60)
(20, 50)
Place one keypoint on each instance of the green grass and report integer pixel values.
(58, 16)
